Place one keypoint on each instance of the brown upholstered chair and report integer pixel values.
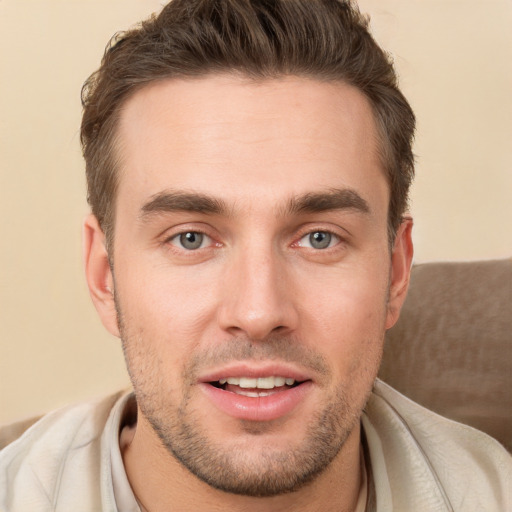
(451, 350)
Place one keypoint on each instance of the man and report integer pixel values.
(248, 166)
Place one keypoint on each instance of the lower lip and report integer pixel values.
(262, 408)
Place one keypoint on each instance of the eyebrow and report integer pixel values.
(183, 201)
(311, 202)
(333, 199)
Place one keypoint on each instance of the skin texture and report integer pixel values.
(256, 168)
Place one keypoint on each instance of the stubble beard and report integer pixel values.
(274, 471)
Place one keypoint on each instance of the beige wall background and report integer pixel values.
(454, 59)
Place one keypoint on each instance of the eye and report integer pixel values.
(319, 240)
(190, 240)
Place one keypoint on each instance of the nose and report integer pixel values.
(257, 297)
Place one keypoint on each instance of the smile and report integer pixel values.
(256, 395)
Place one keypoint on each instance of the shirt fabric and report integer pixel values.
(414, 458)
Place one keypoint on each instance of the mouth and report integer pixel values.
(257, 395)
(256, 387)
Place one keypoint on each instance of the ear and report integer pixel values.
(99, 274)
(401, 260)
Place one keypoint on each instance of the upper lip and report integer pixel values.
(255, 370)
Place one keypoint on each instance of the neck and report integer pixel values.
(161, 483)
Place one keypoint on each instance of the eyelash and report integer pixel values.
(332, 237)
(176, 236)
(176, 244)
(338, 240)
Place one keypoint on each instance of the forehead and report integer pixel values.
(237, 139)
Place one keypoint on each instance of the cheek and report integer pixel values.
(165, 316)
(350, 297)
(347, 320)
(168, 302)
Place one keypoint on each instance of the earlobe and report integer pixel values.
(401, 260)
(99, 274)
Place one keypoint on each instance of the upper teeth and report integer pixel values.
(261, 382)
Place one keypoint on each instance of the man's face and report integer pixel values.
(252, 274)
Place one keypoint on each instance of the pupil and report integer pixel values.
(191, 240)
(320, 239)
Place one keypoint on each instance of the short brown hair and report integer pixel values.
(323, 39)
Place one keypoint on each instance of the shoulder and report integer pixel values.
(464, 468)
(52, 452)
